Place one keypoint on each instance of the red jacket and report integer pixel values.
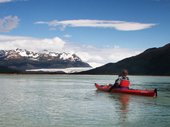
(124, 83)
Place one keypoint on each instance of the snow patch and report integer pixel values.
(53, 54)
(65, 56)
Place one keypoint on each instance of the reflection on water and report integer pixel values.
(133, 110)
(72, 100)
(124, 99)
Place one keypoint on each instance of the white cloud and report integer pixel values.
(8, 23)
(3, 1)
(86, 56)
(116, 47)
(88, 53)
(119, 25)
(67, 35)
(4, 38)
(100, 56)
(106, 46)
(33, 44)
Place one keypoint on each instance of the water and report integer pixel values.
(72, 100)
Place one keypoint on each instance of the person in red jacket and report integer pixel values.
(122, 81)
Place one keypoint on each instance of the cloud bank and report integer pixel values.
(34, 44)
(118, 25)
(94, 56)
(100, 56)
(8, 23)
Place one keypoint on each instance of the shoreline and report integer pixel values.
(78, 74)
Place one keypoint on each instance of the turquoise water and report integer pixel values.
(72, 100)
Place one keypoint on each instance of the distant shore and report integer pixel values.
(78, 74)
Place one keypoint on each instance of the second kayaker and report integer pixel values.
(122, 81)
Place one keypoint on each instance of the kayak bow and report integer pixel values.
(127, 91)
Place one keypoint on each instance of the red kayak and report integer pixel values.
(127, 91)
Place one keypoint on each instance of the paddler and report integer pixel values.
(122, 81)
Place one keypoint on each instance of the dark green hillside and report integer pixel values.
(154, 61)
(8, 70)
(23, 64)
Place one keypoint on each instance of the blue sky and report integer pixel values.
(98, 31)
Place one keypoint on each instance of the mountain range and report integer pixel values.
(153, 61)
(23, 59)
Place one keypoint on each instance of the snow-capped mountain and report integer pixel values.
(24, 59)
(20, 54)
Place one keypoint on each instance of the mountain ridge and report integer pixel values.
(153, 61)
(24, 59)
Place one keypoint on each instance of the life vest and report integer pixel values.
(125, 83)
